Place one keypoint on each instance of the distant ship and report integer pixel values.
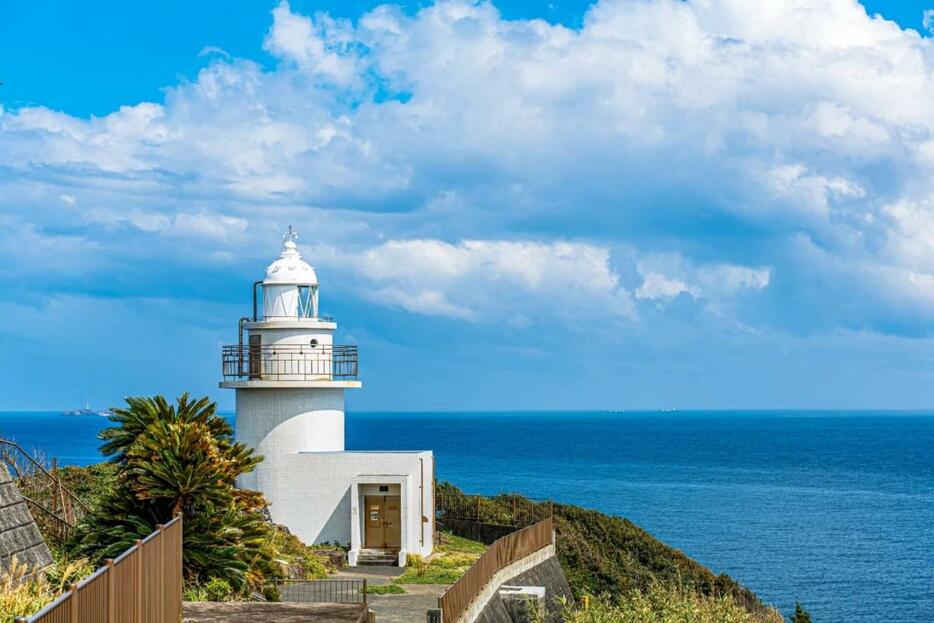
(87, 410)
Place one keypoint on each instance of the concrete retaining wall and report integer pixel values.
(540, 568)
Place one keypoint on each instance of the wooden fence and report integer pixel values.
(142, 585)
(505, 551)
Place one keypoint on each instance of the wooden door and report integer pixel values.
(256, 356)
(383, 522)
(392, 524)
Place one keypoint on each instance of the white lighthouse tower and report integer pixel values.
(290, 377)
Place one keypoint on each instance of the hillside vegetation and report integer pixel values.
(665, 604)
(602, 554)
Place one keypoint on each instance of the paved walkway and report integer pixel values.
(270, 612)
(407, 608)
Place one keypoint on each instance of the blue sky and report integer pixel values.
(631, 204)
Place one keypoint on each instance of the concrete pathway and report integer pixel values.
(407, 608)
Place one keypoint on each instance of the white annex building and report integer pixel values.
(290, 379)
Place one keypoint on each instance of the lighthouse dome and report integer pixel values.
(290, 268)
(290, 288)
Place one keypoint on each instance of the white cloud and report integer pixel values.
(489, 279)
(652, 124)
(323, 47)
(665, 277)
(657, 286)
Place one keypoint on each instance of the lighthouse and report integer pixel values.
(290, 376)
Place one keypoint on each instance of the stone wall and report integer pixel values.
(19, 535)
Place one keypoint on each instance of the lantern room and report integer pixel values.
(290, 287)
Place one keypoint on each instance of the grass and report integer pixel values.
(450, 561)
(384, 589)
(23, 593)
(668, 604)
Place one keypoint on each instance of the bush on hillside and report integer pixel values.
(667, 604)
(800, 615)
(604, 554)
(300, 560)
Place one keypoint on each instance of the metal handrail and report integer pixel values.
(289, 362)
(37, 464)
(505, 509)
(63, 525)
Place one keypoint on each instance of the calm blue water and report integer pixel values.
(835, 510)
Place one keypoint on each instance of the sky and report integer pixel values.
(627, 204)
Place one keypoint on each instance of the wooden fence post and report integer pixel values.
(72, 603)
(139, 581)
(160, 609)
(111, 592)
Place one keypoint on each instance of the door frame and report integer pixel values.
(358, 510)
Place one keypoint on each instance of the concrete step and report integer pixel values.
(377, 560)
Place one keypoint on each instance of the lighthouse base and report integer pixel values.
(381, 501)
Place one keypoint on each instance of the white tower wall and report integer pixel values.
(299, 336)
(284, 421)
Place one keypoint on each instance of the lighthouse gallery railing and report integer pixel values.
(289, 362)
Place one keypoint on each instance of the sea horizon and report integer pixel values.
(831, 508)
(923, 411)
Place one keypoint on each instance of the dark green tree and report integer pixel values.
(800, 615)
(183, 458)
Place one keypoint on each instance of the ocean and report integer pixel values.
(832, 509)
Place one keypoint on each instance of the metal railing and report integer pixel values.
(323, 591)
(289, 362)
(54, 507)
(502, 553)
(500, 510)
(142, 585)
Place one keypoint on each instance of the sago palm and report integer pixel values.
(183, 458)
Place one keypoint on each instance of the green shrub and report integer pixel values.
(22, 592)
(66, 570)
(800, 615)
(667, 604)
(215, 589)
(300, 559)
(416, 563)
(195, 592)
(218, 589)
